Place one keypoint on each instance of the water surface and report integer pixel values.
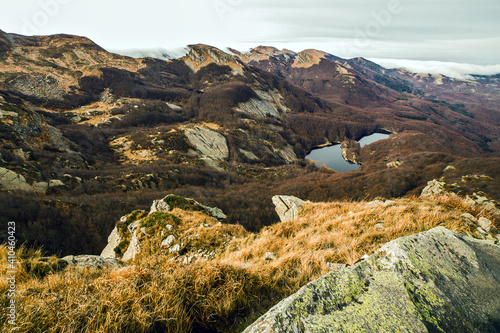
(331, 156)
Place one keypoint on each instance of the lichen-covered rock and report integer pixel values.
(168, 242)
(377, 202)
(55, 183)
(434, 281)
(287, 207)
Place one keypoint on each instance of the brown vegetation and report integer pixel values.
(160, 293)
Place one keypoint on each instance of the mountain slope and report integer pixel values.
(85, 129)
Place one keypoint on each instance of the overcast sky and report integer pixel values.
(460, 31)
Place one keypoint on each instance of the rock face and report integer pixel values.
(265, 105)
(113, 241)
(287, 207)
(434, 281)
(211, 145)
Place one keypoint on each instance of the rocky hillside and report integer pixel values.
(82, 129)
(176, 268)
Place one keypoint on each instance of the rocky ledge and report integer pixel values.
(434, 281)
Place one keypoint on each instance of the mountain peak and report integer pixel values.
(308, 58)
(201, 55)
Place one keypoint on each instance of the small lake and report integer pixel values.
(331, 156)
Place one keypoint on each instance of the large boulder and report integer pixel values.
(434, 281)
(287, 206)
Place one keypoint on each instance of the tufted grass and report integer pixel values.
(159, 293)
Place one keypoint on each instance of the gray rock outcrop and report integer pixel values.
(211, 145)
(13, 181)
(434, 187)
(134, 232)
(114, 240)
(134, 246)
(287, 206)
(434, 281)
(96, 262)
(172, 201)
(258, 108)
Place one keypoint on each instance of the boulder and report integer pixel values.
(55, 183)
(270, 256)
(434, 281)
(287, 206)
(484, 223)
(96, 262)
(13, 181)
(40, 187)
(487, 225)
(469, 219)
(434, 187)
(175, 249)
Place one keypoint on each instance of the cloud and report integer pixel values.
(157, 53)
(450, 69)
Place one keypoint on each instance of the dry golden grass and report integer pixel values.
(158, 293)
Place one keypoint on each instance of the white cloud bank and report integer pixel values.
(450, 69)
(157, 53)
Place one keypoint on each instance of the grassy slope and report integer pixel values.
(161, 292)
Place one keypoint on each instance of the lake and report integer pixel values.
(331, 156)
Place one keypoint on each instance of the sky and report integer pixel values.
(463, 34)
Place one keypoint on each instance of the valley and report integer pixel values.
(198, 193)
